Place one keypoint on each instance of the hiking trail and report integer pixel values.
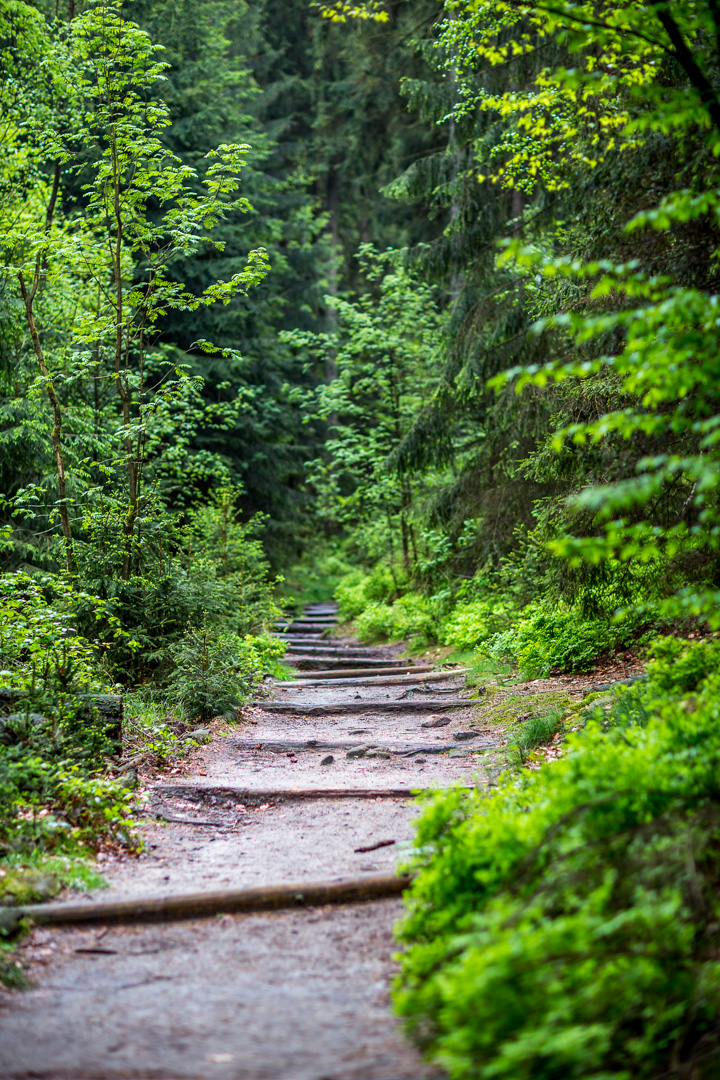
(315, 785)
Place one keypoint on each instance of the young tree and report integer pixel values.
(384, 352)
(143, 211)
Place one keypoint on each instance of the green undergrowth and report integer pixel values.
(550, 637)
(490, 629)
(55, 746)
(537, 729)
(33, 877)
(567, 923)
(316, 576)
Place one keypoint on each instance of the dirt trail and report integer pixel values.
(288, 995)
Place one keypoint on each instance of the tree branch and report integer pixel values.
(683, 55)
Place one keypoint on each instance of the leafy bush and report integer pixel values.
(567, 923)
(215, 672)
(357, 590)
(553, 637)
(470, 624)
(52, 747)
(682, 664)
(213, 567)
(412, 616)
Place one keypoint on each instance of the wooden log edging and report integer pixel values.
(382, 680)
(204, 904)
(361, 672)
(223, 798)
(352, 708)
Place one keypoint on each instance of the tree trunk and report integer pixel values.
(28, 299)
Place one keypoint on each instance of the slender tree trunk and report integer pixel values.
(405, 497)
(121, 381)
(29, 296)
(28, 299)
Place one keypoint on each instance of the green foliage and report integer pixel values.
(70, 873)
(381, 356)
(358, 589)
(566, 923)
(412, 616)
(474, 622)
(320, 575)
(215, 672)
(549, 636)
(676, 664)
(537, 730)
(380, 614)
(52, 744)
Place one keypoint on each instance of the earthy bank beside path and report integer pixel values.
(298, 994)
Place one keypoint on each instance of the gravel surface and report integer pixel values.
(288, 995)
(298, 995)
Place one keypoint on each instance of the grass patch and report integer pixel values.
(31, 877)
(73, 872)
(537, 730)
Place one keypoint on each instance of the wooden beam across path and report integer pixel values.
(198, 904)
(341, 663)
(226, 797)
(381, 680)
(367, 708)
(322, 646)
(342, 672)
(315, 620)
(300, 638)
(334, 652)
(464, 741)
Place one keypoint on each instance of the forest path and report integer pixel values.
(297, 994)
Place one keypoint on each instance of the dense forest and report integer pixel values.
(414, 305)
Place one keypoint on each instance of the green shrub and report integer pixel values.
(358, 590)
(567, 924)
(678, 664)
(472, 623)
(548, 637)
(215, 672)
(51, 748)
(412, 616)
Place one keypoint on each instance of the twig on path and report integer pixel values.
(374, 847)
(189, 821)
